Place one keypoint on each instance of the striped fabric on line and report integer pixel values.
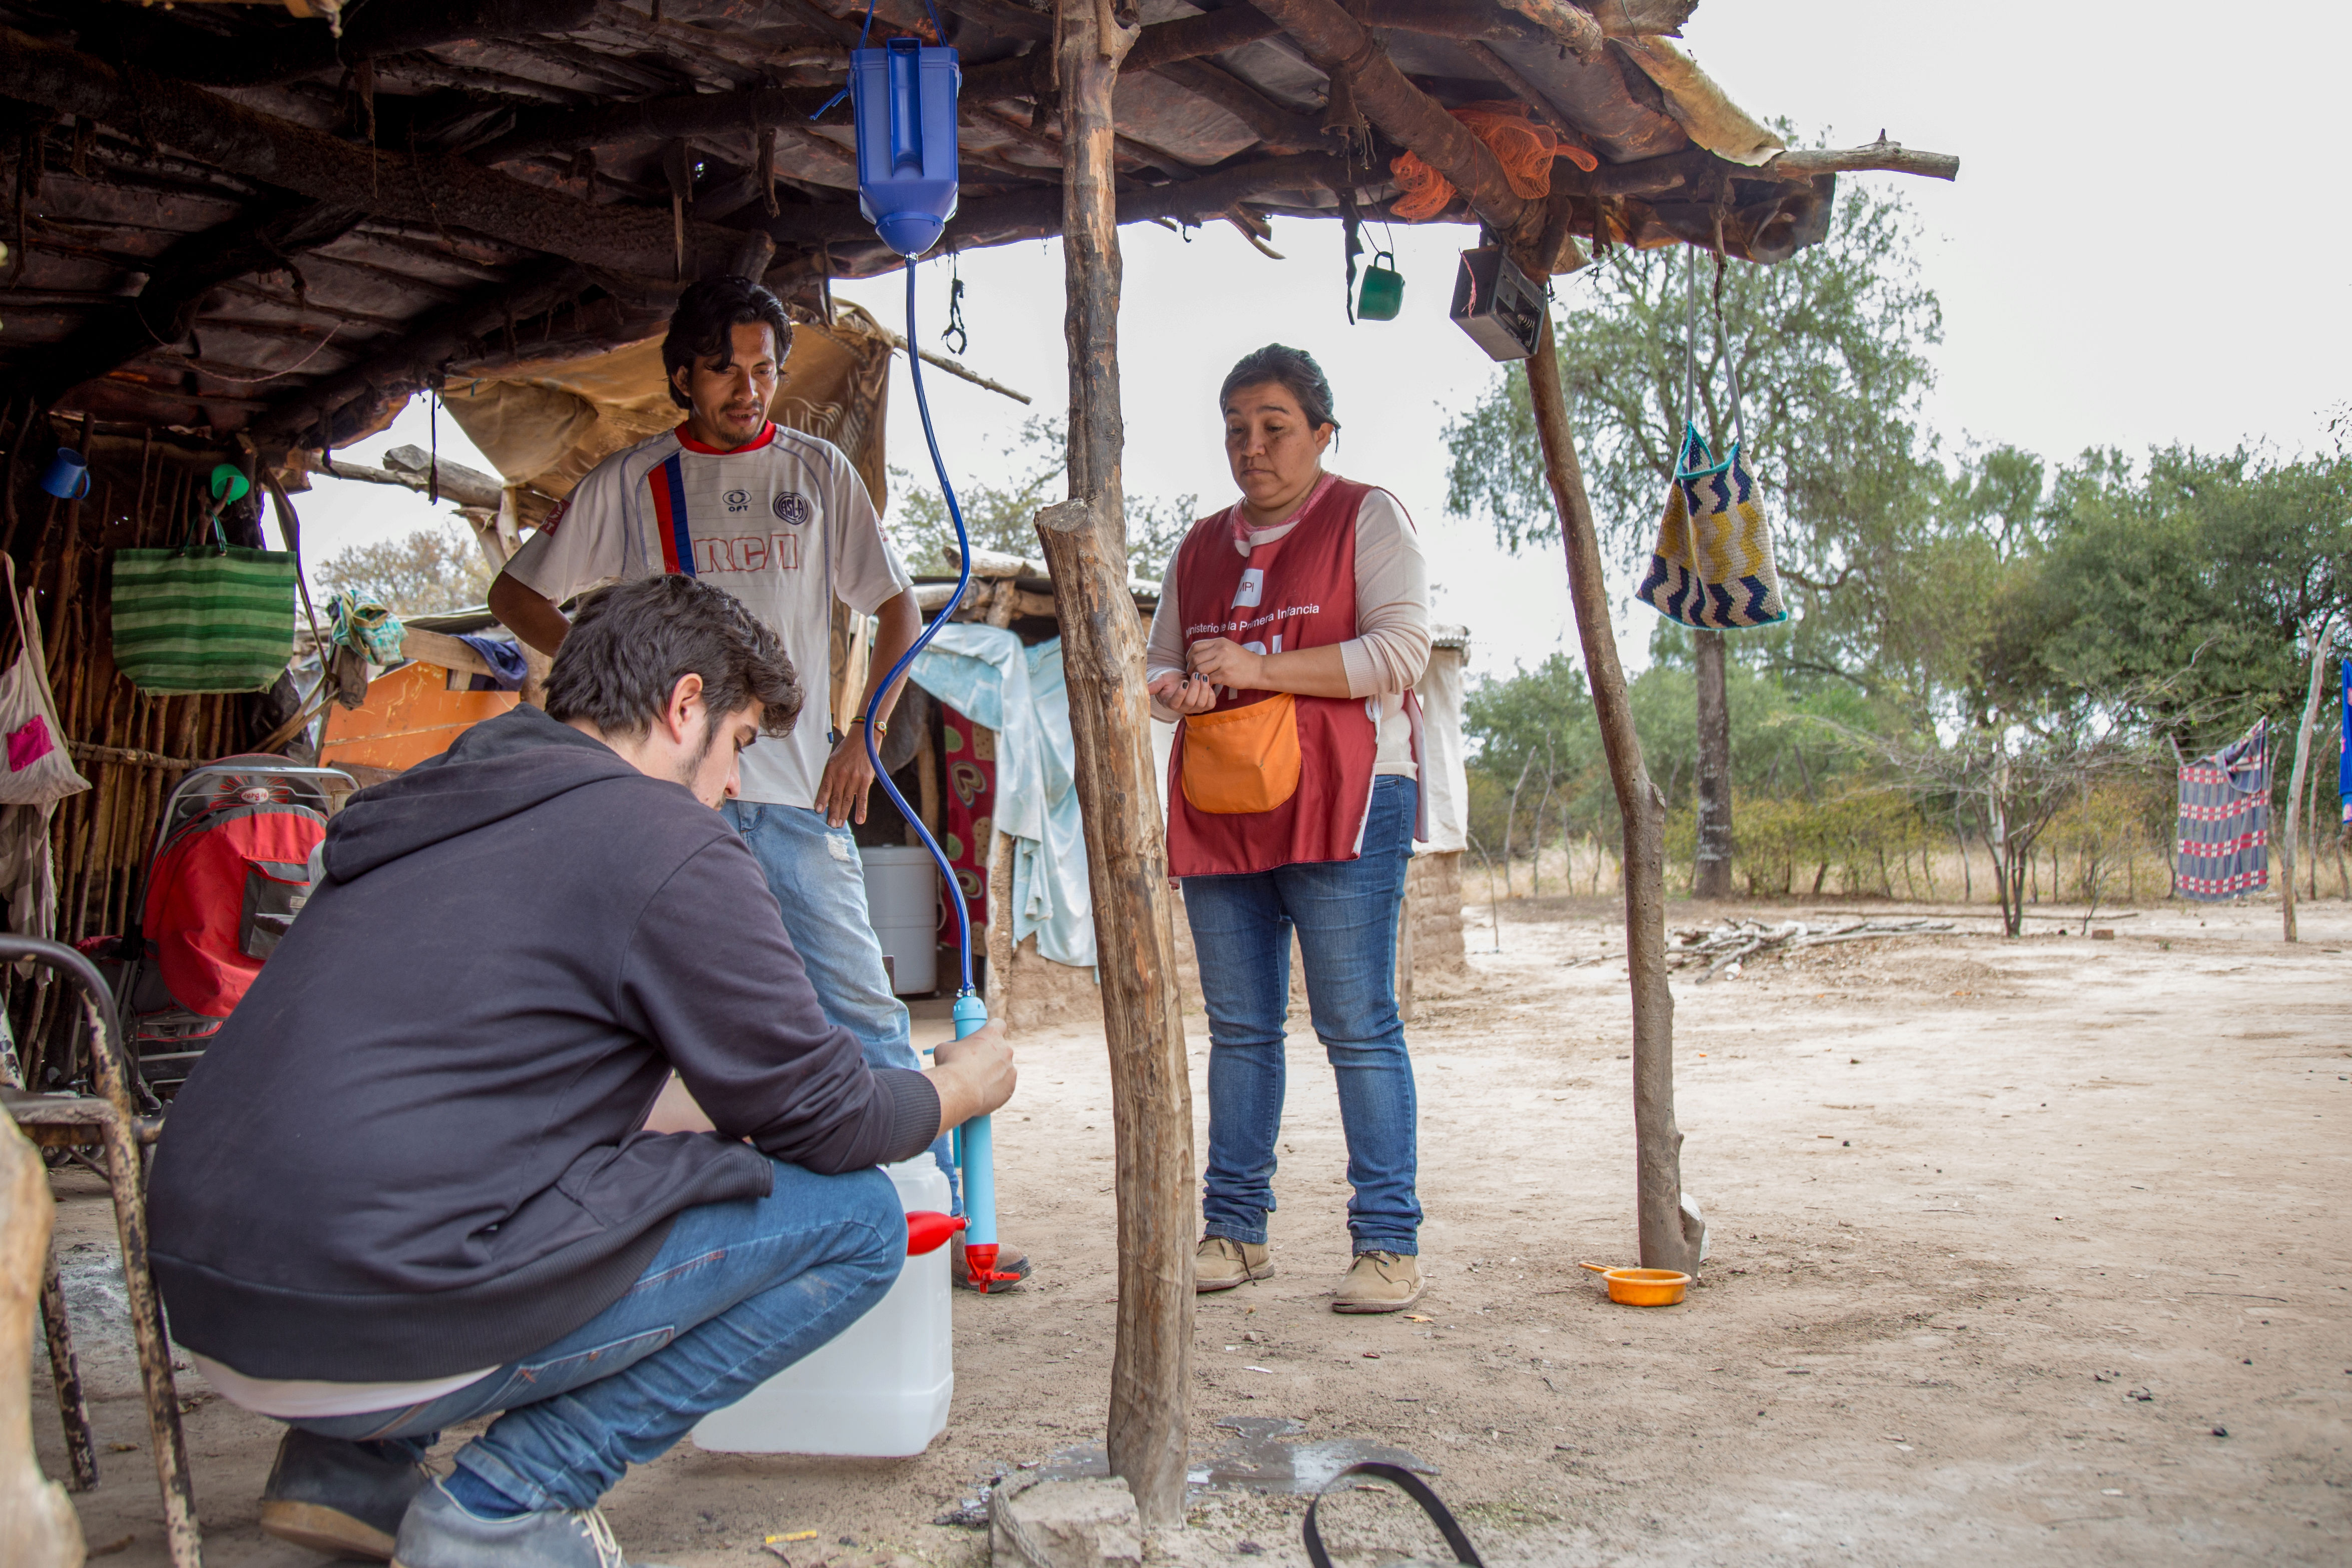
(205, 620)
(2224, 829)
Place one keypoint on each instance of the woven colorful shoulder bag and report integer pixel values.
(1713, 564)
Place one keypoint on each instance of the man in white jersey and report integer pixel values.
(782, 521)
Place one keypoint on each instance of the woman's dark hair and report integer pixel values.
(702, 327)
(630, 645)
(1294, 369)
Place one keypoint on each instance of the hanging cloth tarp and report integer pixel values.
(1713, 566)
(2344, 758)
(985, 673)
(2225, 821)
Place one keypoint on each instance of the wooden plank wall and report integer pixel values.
(132, 748)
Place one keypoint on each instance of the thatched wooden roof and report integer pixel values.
(279, 220)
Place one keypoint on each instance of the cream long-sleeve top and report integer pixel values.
(1390, 647)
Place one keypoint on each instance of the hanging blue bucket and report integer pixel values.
(904, 94)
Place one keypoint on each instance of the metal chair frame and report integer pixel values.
(186, 804)
(110, 1121)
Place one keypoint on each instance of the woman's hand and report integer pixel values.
(1224, 662)
(1184, 694)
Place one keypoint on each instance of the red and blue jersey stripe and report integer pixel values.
(666, 480)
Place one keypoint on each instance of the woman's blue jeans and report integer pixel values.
(1345, 913)
(737, 1292)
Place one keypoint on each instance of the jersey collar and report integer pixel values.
(685, 438)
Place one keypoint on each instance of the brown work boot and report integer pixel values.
(1222, 1263)
(1379, 1282)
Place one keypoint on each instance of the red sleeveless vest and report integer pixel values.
(1298, 592)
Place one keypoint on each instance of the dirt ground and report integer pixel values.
(2034, 1247)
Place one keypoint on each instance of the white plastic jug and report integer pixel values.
(881, 1389)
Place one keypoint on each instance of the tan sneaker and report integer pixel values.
(1222, 1263)
(1379, 1282)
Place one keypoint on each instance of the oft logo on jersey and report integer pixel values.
(739, 500)
(1251, 587)
(793, 507)
(555, 517)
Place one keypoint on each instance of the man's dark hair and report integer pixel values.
(630, 645)
(1294, 369)
(702, 327)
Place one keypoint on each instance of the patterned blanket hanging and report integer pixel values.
(1713, 564)
(2225, 821)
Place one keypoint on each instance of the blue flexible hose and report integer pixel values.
(975, 1145)
(874, 699)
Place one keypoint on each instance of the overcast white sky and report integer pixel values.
(2142, 249)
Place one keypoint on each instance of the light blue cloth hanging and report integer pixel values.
(2344, 759)
(984, 673)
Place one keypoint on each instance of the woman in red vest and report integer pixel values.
(1291, 629)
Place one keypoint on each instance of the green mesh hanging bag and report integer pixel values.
(205, 617)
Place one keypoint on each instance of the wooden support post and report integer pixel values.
(1084, 541)
(38, 1526)
(1669, 1239)
(2294, 788)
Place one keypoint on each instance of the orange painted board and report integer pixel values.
(409, 715)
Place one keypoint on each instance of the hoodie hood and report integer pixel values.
(520, 759)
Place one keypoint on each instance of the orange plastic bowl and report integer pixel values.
(1646, 1287)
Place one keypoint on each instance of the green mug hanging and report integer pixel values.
(1713, 564)
(1382, 292)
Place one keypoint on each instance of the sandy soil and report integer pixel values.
(2007, 1236)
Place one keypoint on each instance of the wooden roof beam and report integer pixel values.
(247, 58)
(177, 282)
(1282, 130)
(411, 360)
(1034, 215)
(430, 188)
(1342, 46)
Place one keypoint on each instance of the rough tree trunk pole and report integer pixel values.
(1669, 1241)
(1711, 876)
(1085, 541)
(38, 1528)
(2294, 786)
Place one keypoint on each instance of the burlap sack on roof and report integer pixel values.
(544, 423)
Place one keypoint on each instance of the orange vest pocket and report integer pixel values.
(1243, 759)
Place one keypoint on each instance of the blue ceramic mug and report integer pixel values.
(68, 477)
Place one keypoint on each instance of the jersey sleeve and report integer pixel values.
(867, 572)
(583, 544)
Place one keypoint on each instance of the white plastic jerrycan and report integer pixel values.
(881, 1388)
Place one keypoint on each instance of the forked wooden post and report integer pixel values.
(1085, 541)
(2294, 796)
(1668, 1239)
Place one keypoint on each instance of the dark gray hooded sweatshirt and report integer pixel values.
(416, 1146)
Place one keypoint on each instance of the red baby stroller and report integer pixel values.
(232, 864)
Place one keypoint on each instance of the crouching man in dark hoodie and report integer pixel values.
(410, 1182)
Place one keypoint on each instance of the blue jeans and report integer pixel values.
(819, 884)
(1346, 915)
(737, 1292)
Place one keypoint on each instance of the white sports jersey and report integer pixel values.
(785, 524)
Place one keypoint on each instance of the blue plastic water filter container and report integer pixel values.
(904, 94)
(976, 1145)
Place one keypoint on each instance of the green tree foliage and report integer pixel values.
(2200, 576)
(1003, 518)
(429, 572)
